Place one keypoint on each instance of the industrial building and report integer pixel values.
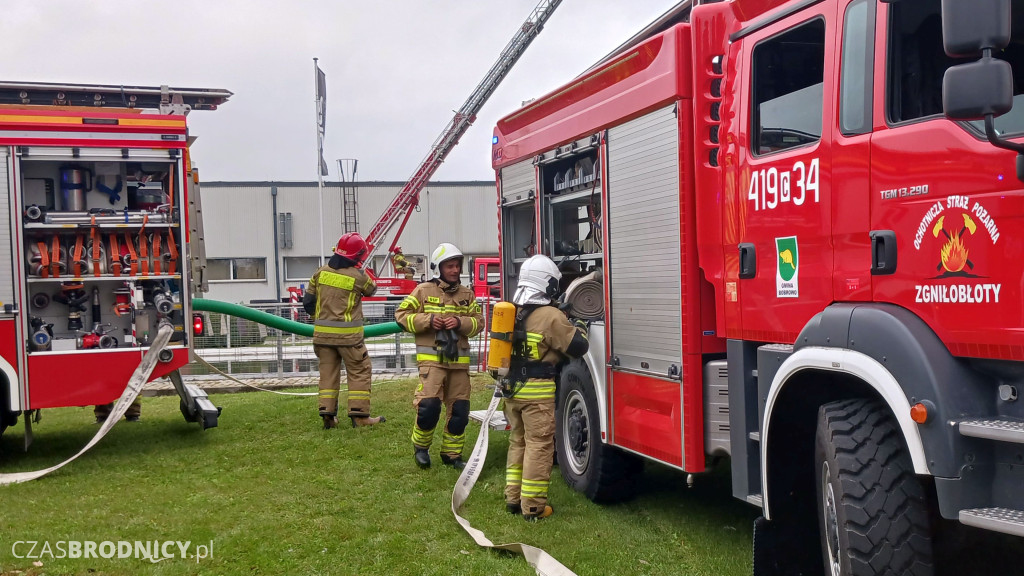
(248, 262)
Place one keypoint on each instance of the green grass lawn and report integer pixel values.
(277, 494)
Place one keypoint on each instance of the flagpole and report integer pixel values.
(319, 153)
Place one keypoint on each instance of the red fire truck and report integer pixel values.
(99, 232)
(806, 266)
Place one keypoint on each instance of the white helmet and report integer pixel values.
(444, 251)
(538, 281)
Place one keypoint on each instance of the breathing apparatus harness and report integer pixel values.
(521, 366)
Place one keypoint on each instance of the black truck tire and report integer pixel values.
(601, 472)
(8, 418)
(872, 510)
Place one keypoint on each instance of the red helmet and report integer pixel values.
(351, 246)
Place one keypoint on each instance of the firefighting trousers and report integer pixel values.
(356, 361)
(101, 411)
(439, 386)
(531, 452)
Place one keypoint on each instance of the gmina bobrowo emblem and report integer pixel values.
(954, 253)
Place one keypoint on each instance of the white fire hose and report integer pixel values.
(542, 562)
(135, 384)
(253, 386)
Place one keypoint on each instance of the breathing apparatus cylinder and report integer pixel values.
(503, 322)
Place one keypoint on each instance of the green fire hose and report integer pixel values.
(273, 321)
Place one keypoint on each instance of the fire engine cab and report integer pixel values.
(100, 230)
(805, 221)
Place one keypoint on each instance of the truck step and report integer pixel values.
(1002, 520)
(1002, 430)
(198, 407)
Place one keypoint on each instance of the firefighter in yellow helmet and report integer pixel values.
(443, 315)
(334, 299)
(543, 339)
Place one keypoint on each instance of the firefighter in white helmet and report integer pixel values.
(443, 315)
(543, 339)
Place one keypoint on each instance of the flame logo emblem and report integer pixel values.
(954, 255)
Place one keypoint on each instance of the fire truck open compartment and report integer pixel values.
(113, 218)
(569, 203)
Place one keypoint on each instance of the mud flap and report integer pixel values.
(780, 549)
(765, 543)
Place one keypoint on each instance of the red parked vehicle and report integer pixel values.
(807, 266)
(100, 234)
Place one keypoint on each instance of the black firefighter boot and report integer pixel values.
(454, 461)
(330, 420)
(422, 457)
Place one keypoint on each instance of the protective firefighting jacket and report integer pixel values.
(338, 313)
(437, 298)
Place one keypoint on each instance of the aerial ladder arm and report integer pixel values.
(407, 199)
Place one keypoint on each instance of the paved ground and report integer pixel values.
(163, 386)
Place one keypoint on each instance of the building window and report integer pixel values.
(789, 72)
(300, 268)
(218, 269)
(240, 269)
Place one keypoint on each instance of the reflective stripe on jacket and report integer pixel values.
(430, 299)
(338, 319)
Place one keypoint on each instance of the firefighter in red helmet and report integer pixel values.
(401, 264)
(334, 299)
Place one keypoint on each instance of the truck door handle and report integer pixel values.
(883, 252)
(748, 261)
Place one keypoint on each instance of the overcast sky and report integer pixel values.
(396, 70)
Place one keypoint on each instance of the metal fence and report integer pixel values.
(243, 348)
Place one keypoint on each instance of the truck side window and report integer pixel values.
(917, 60)
(858, 57)
(788, 77)
(1011, 123)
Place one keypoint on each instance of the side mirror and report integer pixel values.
(972, 26)
(975, 90)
